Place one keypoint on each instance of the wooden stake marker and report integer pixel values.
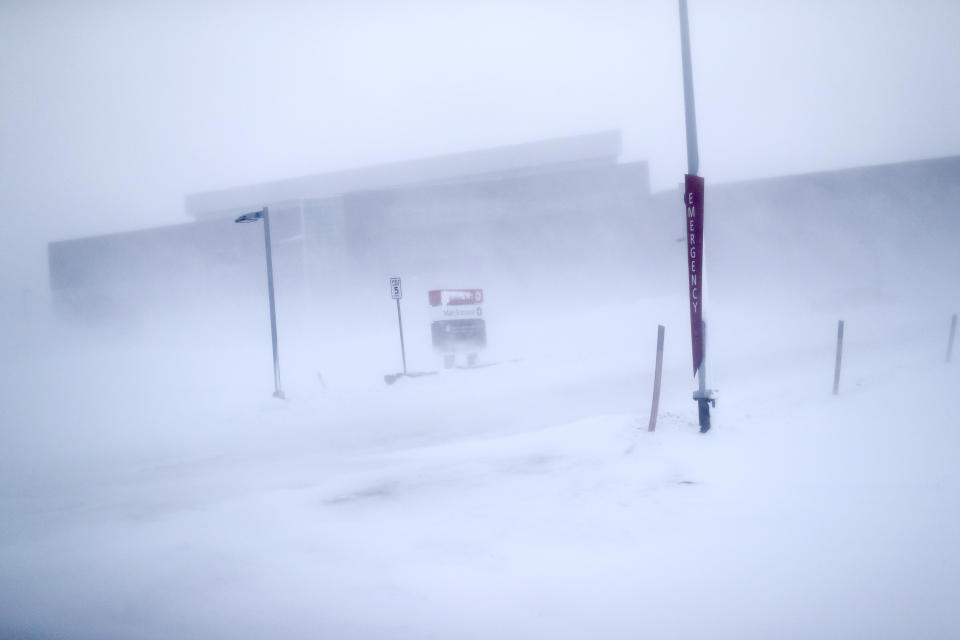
(953, 332)
(656, 380)
(836, 370)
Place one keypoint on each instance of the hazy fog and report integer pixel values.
(150, 486)
(112, 111)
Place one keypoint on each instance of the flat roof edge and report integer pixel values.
(604, 145)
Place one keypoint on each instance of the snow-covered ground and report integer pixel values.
(150, 487)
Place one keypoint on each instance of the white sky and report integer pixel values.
(112, 111)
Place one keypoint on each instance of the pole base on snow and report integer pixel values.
(390, 378)
(704, 401)
(704, 411)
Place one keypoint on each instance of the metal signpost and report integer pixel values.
(264, 214)
(693, 204)
(396, 292)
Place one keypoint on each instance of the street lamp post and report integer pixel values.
(264, 214)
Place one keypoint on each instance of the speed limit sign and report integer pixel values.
(395, 291)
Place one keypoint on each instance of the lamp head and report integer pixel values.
(250, 217)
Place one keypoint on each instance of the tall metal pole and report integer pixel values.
(693, 154)
(277, 391)
(693, 202)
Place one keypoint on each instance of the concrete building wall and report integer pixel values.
(321, 245)
(868, 231)
(582, 222)
(570, 216)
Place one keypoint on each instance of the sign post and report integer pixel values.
(693, 204)
(396, 292)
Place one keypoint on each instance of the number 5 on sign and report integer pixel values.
(395, 291)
